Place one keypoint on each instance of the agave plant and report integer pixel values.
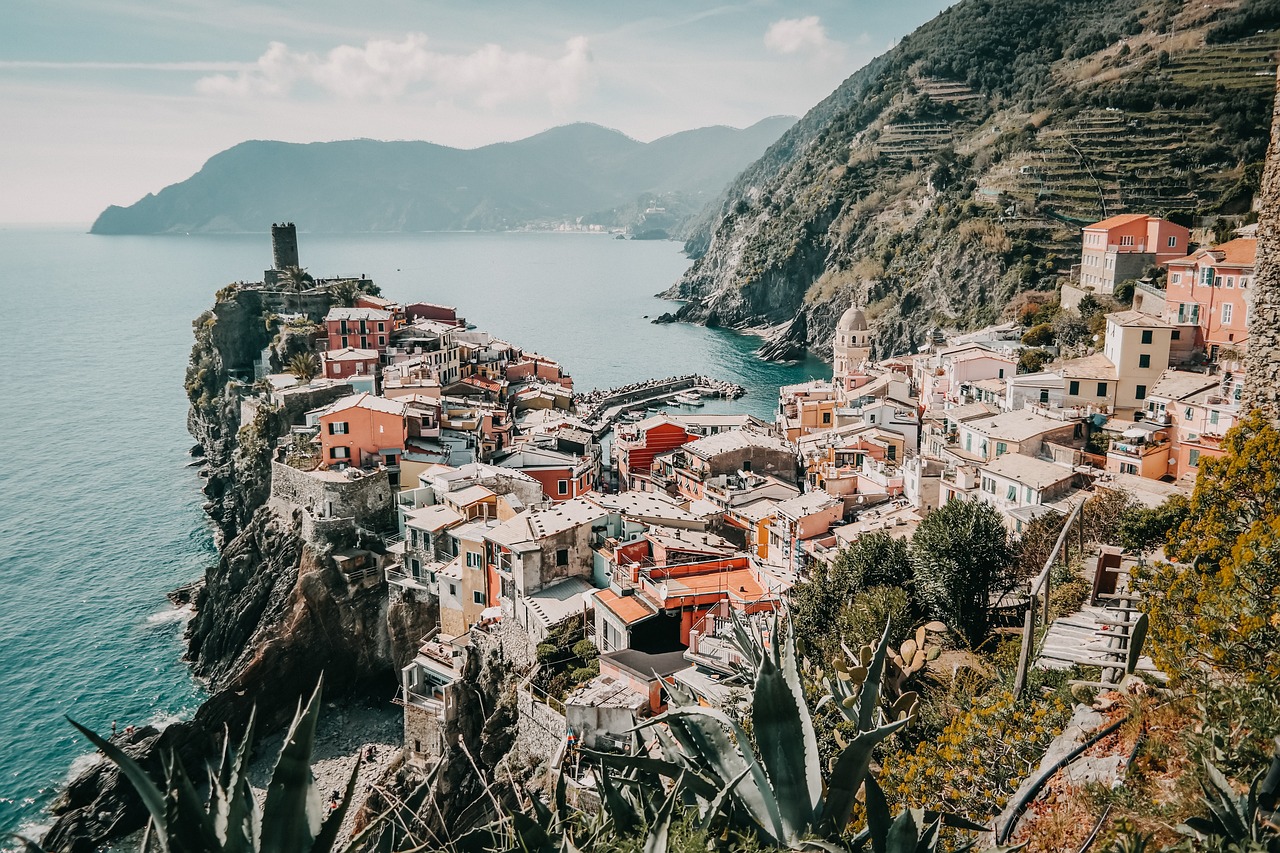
(229, 820)
(1247, 821)
(305, 366)
(771, 782)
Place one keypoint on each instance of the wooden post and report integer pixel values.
(1024, 653)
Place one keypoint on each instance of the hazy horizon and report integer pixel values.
(119, 98)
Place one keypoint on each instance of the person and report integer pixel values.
(113, 728)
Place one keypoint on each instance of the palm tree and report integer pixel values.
(344, 293)
(305, 366)
(297, 279)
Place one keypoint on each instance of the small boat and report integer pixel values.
(688, 398)
(633, 415)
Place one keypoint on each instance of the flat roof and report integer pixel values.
(1036, 473)
(1096, 366)
(1177, 384)
(563, 516)
(645, 504)
(433, 518)
(807, 504)
(631, 609)
(1018, 425)
(357, 314)
(736, 439)
(553, 603)
(365, 400)
(644, 664)
(1136, 318)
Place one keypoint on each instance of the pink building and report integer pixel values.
(361, 328)
(1211, 290)
(348, 362)
(1123, 247)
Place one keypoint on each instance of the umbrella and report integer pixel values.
(1135, 432)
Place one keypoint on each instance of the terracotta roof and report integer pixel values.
(1116, 221)
(1242, 251)
(628, 608)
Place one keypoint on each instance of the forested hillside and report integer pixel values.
(955, 171)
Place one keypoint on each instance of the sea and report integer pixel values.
(99, 502)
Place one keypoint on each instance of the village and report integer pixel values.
(501, 518)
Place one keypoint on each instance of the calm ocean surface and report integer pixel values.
(99, 511)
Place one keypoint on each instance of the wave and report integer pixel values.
(171, 615)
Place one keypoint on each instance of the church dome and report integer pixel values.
(853, 320)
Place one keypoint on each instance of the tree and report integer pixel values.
(1216, 611)
(305, 366)
(1037, 540)
(1070, 330)
(875, 559)
(1039, 335)
(1143, 529)
(961, 553)
(297, 280)
(344, 293)
(1032, 360)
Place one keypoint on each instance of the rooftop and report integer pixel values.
(357, 314)
(643, 505)
(563, 516)
(806, 504)
(1096, 366)
(1117, 221)
(1130, 319)
(433, 518)
(469, 495)
(552, 604)
(736, 439)
(628, 608)
(1177, 384)
(1018, 425)
(365, 400)
(1036, 473)
(351, 354)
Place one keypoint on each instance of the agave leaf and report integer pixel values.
(530, 837)
(328, 835)
(540, 810)
(656, 842)
(187, 826)
(1137, 638)
(233, 819)
(879, 818)
(717, 805)
(1222, 802)
(870, 698)
(148, 791)
(645, 764)
(903, 835)
(850, 772)
(291, 811)
(624, 815)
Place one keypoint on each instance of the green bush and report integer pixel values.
(1039, 335)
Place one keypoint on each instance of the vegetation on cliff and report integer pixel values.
(954, 171)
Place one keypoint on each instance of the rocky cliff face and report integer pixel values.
(1262, 365)
(274, 613)
(955, 171)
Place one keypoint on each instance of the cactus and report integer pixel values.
(900, 666)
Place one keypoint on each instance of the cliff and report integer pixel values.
(564, 174)
(954, 171)
(274, 612)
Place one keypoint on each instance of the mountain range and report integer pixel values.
(576, 173)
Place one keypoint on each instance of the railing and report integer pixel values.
(1040, 589)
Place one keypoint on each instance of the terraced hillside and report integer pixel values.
(956, 170)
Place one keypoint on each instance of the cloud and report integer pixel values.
(798, 35)
(383, 69)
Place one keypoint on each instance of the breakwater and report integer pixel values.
(602, 408)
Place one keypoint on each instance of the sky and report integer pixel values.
(104, 101)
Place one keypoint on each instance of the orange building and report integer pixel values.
(1211, 289)
(1123, 247)
(349, 361)
(363, 429)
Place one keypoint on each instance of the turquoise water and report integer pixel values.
(99, 511)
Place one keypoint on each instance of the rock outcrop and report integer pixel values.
(1262, 363)
(955, 171)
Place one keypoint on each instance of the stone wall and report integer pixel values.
(1262, 364)
(368, 500)
(540, 730)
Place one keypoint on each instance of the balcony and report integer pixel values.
(1137, 450)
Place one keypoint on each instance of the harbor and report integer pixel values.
(601, 409)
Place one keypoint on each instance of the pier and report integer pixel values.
(602, 408)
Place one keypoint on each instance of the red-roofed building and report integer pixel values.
(349, 361)
(1123, 247)
(1212, 290)
(637, 444)
(363, 429)
(416, 311)
(361, 328)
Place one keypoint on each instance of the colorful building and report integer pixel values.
(1211, 289)
(1124, 247)
(637, 444)
(360, 328)
(361, 430)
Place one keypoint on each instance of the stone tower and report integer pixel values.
(1262, 361)
(851, 346)
(284, 245)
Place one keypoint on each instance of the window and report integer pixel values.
(1217, 281)
(1011, 493)
(475, 560)
(1213, 416)
(1102, 389)
(340, 452)
(1193, 458)
(477, 596)
(1173, 243)
(382, 327)
(1030, 494)
(1146, 336)
(1144, 360)
(1001, 374)
(1177, 278)
(1126, 241)
(826, 417)
(1044, 396)
(988, 485)
(1231, 282)
(344, 341)
(1206, 277)
(1073, 388)
(562, 487)
(562, 556)
(1140, 392)
(453, 589)
(1175, 335)
(1244, 282)
(1226, 313)
(415, 566)
(1001, 448)
(1128, 468)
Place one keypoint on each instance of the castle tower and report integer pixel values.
(284, 245)
(851, 346)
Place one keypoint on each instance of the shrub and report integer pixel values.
(1033, 360)
(961, 553)
(1039, 335)
(863, 619)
